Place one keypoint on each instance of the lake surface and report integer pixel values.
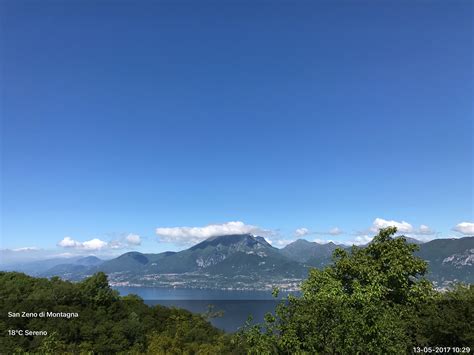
(236, 305)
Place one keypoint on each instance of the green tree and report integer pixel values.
(51, 344)
(447, 319)
(96, 289)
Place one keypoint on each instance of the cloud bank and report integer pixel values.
(402, 227)
(133, 239)
(97, 244)
(466, 228)
(422, 232)
(93, 244)
(424, 229)
(300, 232)
(335, 231)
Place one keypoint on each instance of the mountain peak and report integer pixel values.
(244, 240)
(134, 255)
(89, 260)
(303, 251)
(410, 240)
(262, 240)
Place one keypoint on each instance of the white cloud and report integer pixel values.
(122, 242)
(466, 228)
(93, 244)
(26, 249)
(68, 242)
(402, 227)
(423, 232)
(360, 240)
(424, 229)
(301, 232)
(133, 239)
(335, 231)
(280, 243)
(115, 244)
(191, 235)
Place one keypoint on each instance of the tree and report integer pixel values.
(96, 289)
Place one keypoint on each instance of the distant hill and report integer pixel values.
(72, 268)
(449, 259)
(311, 253)
(248, 261)
(47, 266)
(131, 262)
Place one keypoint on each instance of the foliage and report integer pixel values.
(370, 300)
(107, 323)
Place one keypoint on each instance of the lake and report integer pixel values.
(236, 305)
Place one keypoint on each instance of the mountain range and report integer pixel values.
(245, 261)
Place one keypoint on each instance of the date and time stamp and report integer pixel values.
(441, 350)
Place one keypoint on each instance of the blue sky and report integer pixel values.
(121, 119)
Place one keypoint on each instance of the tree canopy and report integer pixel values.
(370, 300)
(107, 323)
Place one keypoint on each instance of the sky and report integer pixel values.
(152, 125)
